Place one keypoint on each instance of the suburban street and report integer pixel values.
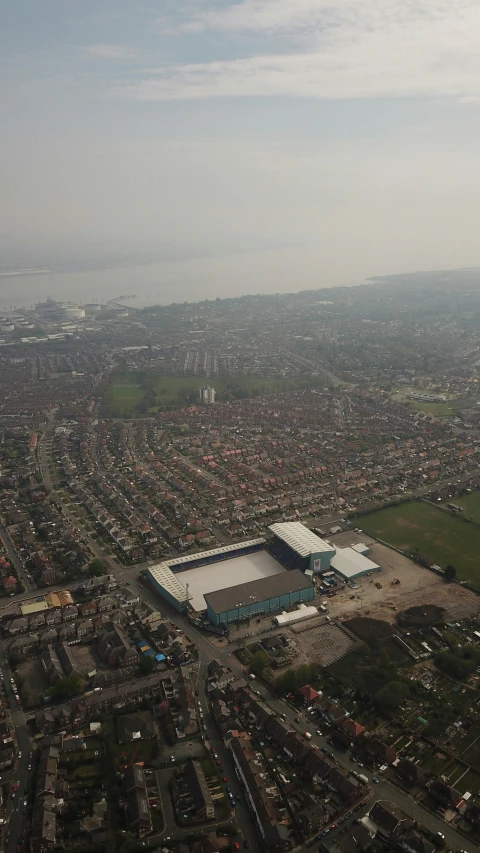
(15, 560)
(20, 773)
(384, 790)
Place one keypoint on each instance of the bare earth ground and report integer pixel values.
(325, 643)
(417, 586)
(34, 684)
(85, 657)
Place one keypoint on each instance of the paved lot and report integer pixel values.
(323, 644)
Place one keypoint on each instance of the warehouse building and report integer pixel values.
(297, 547)
(259, 597)
(349, 564)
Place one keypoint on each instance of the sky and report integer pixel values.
(317, 141)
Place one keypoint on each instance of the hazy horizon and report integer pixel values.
(246, 146)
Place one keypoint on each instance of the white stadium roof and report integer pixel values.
(361, 548)
(350, 563)
(300, 538)
(164, 576)
(213, 552)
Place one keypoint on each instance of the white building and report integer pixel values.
(207, 394)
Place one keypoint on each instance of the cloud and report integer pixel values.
(320, 49)
(110, 51)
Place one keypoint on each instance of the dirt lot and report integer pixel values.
(417, 586)
(32, 680)
(85, 657)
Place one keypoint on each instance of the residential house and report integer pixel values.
(88, 608)
(347, 788)
(382, 752)
(9, 584)
(51, 664)
(24, 644)
(391, 823)
(352, 728)
(410, 772)
(138, 808)
(311, 818)
(67, 659)
(115, 648)
(415, 843)
(358, 840)
(198, 785)
(444, 794)
(43, 835)
(308, 694)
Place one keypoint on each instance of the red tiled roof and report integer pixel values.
(308, 693)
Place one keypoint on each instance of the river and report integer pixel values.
(186, 280)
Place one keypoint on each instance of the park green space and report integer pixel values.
(420, 528)
(439, 410)
(124, 392)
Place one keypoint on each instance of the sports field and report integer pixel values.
(123, 394)
(471, 504)
(417, 527)
(439, 410)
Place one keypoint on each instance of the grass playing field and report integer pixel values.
(123, 395)
(439, 410)
(471, 504)
(417, 527)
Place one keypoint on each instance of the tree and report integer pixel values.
(67, 687)
(258, 662)
(155, 751)
(450, 573)
(146, 664)
(97, 568)
(390, 697)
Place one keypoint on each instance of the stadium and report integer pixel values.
(253, 578)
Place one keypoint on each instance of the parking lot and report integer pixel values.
(323, 644)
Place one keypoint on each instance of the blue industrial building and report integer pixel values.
(257, 598)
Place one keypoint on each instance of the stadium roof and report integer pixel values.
(300, 538)
(166, 579)
(361, 548)
(253, 592)
(213, 552)
(351, 564)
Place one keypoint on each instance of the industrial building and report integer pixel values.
(303, 612)
(349, 564)
(257, 598)
(297, 547)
